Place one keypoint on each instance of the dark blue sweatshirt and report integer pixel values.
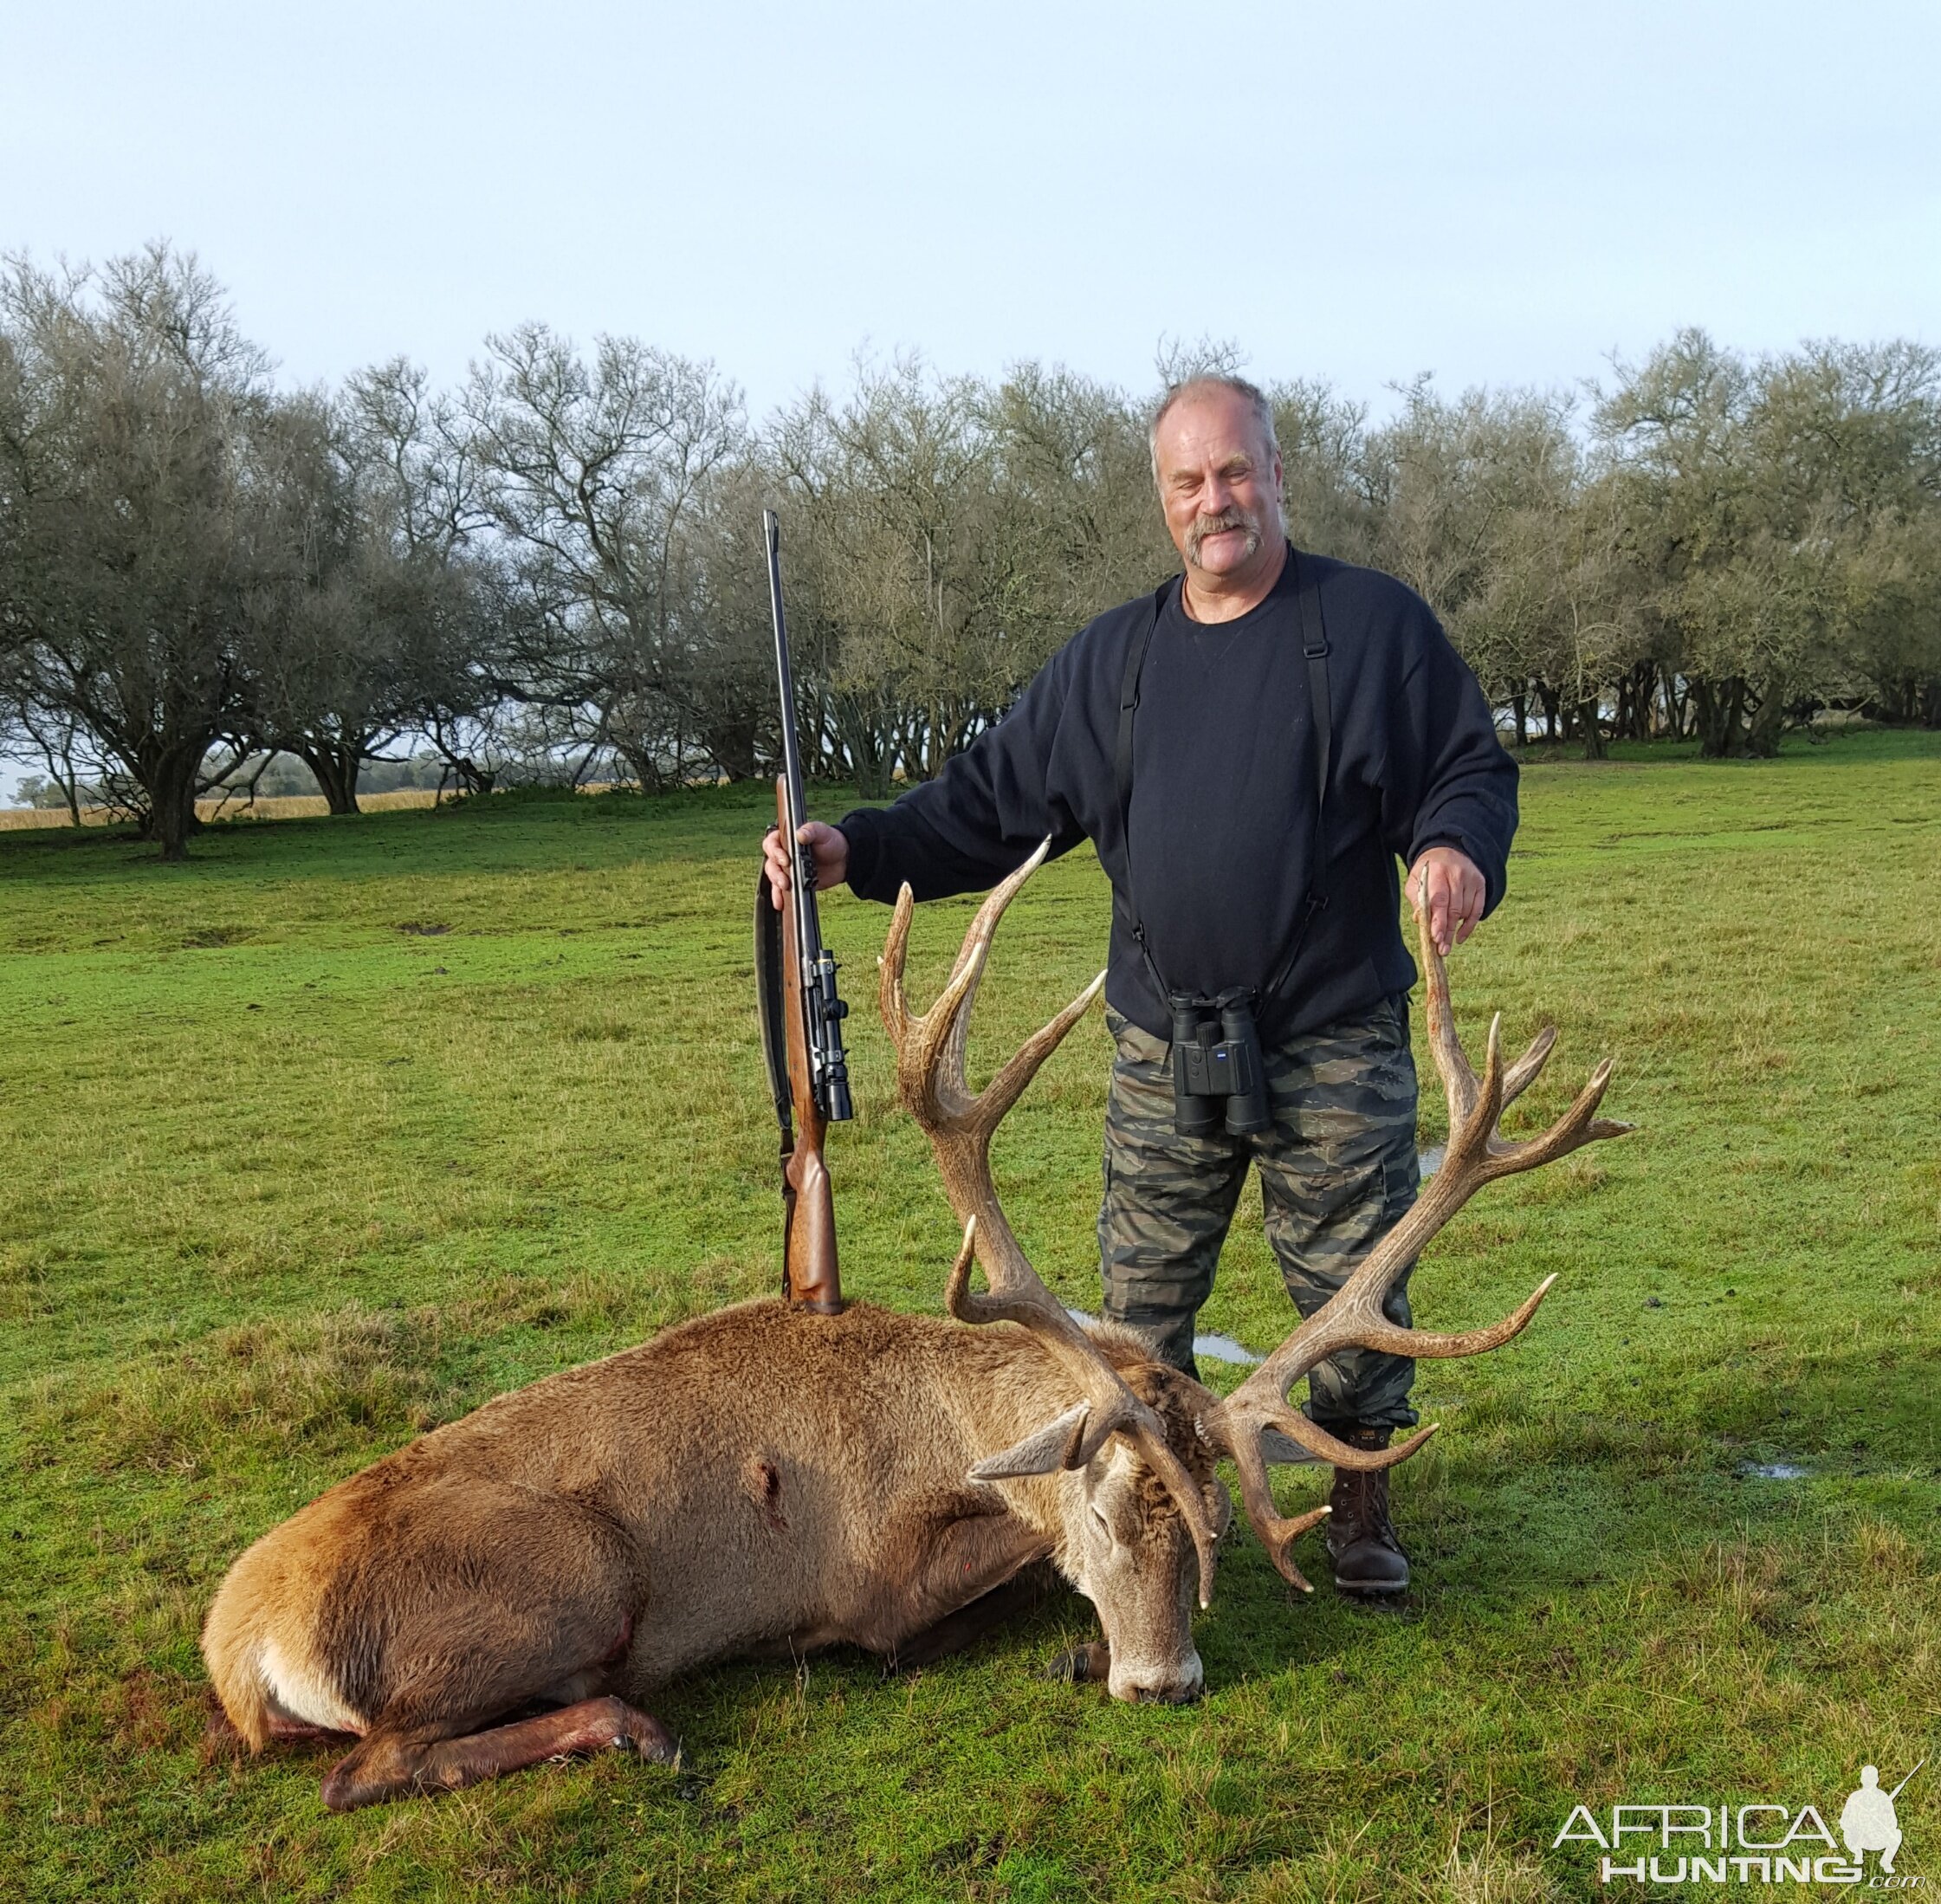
(1223, 792)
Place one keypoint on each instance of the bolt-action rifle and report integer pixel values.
(801, 1015)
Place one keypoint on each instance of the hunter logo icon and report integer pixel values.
(1762, 1843)
(1868, 1821)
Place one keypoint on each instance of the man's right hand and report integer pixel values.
(827, 844)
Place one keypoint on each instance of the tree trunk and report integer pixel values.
(871, 751)
(1520, 702)
(335, 765)
(1767, 724)
(642, 765)
(1591, 727)
(170, 783)
(729, 738)
(1675, 704)
(1719, 706)
(1550, 698)
(1635, 694)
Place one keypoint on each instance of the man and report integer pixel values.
(1867, 1820)
(1191, 735)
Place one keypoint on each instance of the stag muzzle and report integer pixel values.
(1171, 1682)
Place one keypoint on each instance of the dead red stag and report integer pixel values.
(510, 1587)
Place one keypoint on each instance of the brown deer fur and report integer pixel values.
(553, 1545)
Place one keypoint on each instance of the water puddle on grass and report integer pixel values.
(1774, 1471)
(1224, 1349)
(1218, 1348)
(1278, 1450)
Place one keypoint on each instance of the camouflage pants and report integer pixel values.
(1337, 1169)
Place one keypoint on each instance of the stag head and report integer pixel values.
(1132, 1454)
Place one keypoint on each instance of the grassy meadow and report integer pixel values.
(347, 1125)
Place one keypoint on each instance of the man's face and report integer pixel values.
(1218, 483)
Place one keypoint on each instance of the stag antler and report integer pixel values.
(1477, 1153)
(930, 1073)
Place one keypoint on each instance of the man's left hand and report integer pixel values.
(1449, 886)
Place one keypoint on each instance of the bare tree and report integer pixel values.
(135, 411)
(560, 567)
(921, 585)
(594, 473)
(1077, 505)
(1762, 499)
(1332, 481)
(379, 620)
(1892, 606)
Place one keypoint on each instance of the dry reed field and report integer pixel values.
(285, 806)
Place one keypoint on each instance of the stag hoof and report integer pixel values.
(1081, 1665)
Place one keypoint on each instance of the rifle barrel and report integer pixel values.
(824, 1009)
(806, 922)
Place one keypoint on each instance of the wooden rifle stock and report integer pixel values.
(811, 1278)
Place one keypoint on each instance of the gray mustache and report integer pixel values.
(1231, 517)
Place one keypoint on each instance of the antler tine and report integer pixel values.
(1522, 1074)
(930, 1071)
(1459, 1082)
(1575, 1129)
(1469, 1134)
(1352, 1318)
(932, 1048)
(889, 967)
(1008, 1085)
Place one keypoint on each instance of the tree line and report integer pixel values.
(554, 568)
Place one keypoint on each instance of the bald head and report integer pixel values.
(1217, 468)
(1220, 391)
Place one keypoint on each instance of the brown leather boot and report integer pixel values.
(1367, 1558)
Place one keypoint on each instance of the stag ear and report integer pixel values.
(1220, 1505)
(1055, 1446)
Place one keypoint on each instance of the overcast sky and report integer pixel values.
(1495, 192)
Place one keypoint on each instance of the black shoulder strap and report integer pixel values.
(768, 1009)
(1129, 701)
(1122, 768)
(1321, 716)
(1321, 713)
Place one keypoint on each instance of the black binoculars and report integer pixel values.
(1217, 1066)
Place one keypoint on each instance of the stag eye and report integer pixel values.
(1105, 1526)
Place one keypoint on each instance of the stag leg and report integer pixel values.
(398, 1761)
(220, 1738)
(948, 1556)
(1018, 1596)
(490, 1601)
(1086, 1664)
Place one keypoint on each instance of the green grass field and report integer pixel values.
(345, 1126)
